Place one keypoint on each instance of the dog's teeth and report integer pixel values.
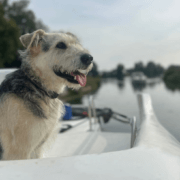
(82, 71)
(75, 77)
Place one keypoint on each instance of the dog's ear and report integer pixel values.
(33, 39)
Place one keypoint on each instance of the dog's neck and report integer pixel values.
(31, 76)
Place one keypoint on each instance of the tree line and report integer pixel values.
(172, 77)
(151, 70)
(118, 72)
(15, 19)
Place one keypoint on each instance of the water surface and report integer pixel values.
(122, 97)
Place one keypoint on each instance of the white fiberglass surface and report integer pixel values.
(152, 133)
(134, 164)
(4, 72)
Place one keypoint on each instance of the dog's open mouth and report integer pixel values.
(76, 77)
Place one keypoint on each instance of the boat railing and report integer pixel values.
(133, 130)
(91, 112)
(117, 116)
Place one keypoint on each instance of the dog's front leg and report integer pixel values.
(38, 151)
(20, 130)
(16, 147)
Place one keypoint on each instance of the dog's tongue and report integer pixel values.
(81, 78)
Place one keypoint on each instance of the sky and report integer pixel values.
(118, 31)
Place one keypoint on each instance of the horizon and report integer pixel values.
(118, 32)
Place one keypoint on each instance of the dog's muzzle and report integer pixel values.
(78, 76)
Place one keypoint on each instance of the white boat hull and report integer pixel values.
(156, 155)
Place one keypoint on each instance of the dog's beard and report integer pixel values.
(75, 77)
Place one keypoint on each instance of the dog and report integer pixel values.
(29, 105)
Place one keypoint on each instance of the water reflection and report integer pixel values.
(121, 84)
(172, 86)
(120, 96)
(152, 84)
(138, 86)
(142, 85)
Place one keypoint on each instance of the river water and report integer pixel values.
(122, 97)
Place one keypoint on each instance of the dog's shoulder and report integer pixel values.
(7, 84)
(19, 85)
(15, 82)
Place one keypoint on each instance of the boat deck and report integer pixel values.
(80, 140)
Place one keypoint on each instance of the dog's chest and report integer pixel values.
(54, 109)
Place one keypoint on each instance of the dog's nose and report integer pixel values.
(86, 59)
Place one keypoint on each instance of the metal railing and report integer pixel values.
(91, 112)
(133, 130)
(117, 116)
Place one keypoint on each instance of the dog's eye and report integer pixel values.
(61, 45)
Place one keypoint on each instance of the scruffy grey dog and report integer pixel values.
(29, 107)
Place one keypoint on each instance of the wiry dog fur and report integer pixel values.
(29, 107)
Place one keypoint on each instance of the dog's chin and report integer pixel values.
(72, 85)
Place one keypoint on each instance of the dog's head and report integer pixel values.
(58, 58)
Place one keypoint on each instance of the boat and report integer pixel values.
(84, 151)
(138, 77)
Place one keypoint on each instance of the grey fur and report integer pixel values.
(45, 47)
(28, 90)
(1, 151)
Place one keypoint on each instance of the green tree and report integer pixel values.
(119, 72)
(94, 72)
(150, 69)
(159, 69)
(172, 77)
(139, 67)
(153, 70)
(9, 39)
(15, 20)
(24, 18)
